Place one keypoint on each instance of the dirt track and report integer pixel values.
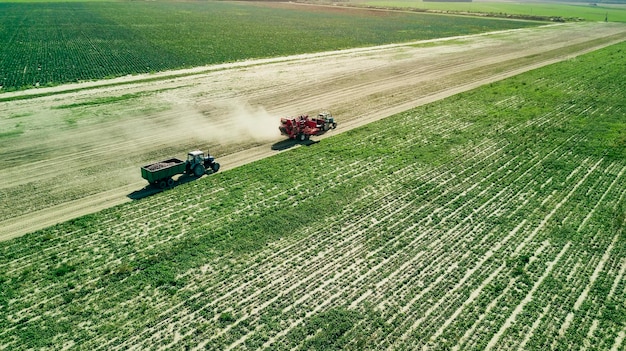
(75, 156)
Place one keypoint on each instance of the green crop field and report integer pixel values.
(493, 220)
(48, 43)
(584, 10)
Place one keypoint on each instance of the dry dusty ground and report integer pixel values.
(81, 146)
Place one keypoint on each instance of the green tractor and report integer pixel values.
(197, 164)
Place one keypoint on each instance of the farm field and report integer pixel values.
(49, 43)
(493, 219)
(570, 11)
(85, 142)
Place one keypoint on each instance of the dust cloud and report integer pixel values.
(247, 123)
(223, 122)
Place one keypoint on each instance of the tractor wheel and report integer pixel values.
(170, 182)
(199, 170)
(162, 184)
(334, 125)
(215, 167)
(302, 137)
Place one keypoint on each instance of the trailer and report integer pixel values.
(161, 173)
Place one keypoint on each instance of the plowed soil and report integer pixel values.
(77, 149)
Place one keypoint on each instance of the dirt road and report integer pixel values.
(78, 150)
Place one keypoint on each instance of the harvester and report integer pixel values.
(302, 127)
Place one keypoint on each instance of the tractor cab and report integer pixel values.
(195, 157)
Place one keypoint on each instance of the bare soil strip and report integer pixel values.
(74, 157)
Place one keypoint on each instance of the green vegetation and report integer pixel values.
(16, 131)
(103, 100)
(491, 219)
(587, 10)
(49, 43)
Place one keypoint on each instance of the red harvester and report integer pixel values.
(302, 127)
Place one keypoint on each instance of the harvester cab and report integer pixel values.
(325, 121)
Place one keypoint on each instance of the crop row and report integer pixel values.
(461, 225)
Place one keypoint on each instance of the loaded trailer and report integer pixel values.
(161, 173)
